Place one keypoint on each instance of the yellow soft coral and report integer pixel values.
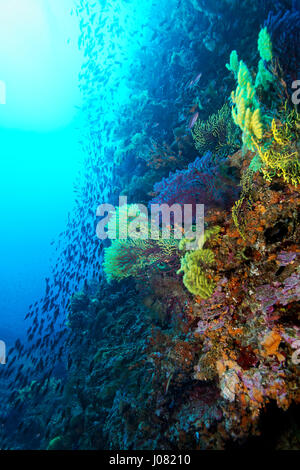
(256, 124)
(195, 263)
(279, 152)
(246, 112)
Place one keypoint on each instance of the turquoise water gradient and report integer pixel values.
(39, 153)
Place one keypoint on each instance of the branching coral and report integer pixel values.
(279, 154)
(195, 264)
(124, 258)
(217, 135)
(132, 253)
(273, 135)
(245, 198)
(134, 258)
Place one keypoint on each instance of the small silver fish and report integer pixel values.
(193, 120)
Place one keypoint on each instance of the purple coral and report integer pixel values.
(205, 181)
(269, 295)
(212, 318)
(286, 257)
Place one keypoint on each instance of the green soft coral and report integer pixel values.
(123, 259)
(233, 65)
(218, 134)
(265, 45)
(263, 78)
(279, 154)
(132, 258)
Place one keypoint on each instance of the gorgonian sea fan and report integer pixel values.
(136, 258)
(205, 181)
(284, 28)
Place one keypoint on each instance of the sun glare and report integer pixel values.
(38, 64)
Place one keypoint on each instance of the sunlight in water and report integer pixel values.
(39, 64)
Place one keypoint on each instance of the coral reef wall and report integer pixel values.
(142, 344)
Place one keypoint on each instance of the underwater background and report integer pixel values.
(135, 343)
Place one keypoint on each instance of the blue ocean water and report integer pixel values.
(40, 154)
